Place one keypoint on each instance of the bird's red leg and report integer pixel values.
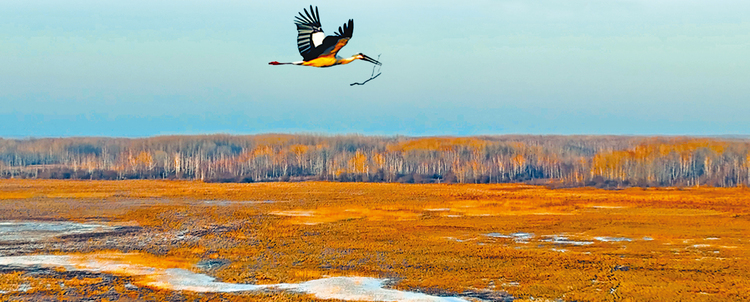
(291, 63)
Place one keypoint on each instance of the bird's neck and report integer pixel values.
(342, 61)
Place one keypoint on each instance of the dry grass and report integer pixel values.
(429, 237)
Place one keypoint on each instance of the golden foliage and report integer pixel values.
(439, 144)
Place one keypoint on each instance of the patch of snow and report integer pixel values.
(25, 231)
(612, 239)
(454, 239)
(363, 288)
(518, 236)
(460, 240)
(234, 202)
(522, 236)
(294, 213)
(556, 239)
(342, 288)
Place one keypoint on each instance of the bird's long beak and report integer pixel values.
(371, 60)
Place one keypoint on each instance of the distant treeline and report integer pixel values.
(604, 161)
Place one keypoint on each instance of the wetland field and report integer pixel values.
(148, 240)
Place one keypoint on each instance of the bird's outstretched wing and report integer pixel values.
(311, 40)
(332, 44)
(309, 32)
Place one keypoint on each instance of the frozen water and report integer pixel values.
(363, 288)
(294, 213)
(342, 288)
(522, 236)
(234, 202)
(24, 231)
(612, 239)
(24, 287)
(518, 237)
(556, 239)
(180, 279)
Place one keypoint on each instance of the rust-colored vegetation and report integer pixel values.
(571, 244)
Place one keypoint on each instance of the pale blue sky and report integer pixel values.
(142, 68)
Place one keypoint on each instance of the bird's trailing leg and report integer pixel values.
(291, 63)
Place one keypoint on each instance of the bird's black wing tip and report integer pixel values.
(314, 15)
(346, 30)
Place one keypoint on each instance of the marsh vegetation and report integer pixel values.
(492, 242)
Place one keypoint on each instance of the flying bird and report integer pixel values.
(319, 50)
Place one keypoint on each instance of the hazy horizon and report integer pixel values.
(142, 68)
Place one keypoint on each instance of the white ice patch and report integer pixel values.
(608, 207)
(232, 202)
(612, 239)
(518, 237)
(342, 288)
(30, 231)
(24, 287)
(362, 288)
(294, 213)
(565, 241)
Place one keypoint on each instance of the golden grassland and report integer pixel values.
(684, 244)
